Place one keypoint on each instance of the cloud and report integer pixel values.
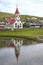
(33, 7)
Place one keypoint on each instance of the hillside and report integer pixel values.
(3, 15)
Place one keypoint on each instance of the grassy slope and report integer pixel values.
(4, 15)
(23, 17)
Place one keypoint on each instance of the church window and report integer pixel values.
(20, 24)
(15, 24)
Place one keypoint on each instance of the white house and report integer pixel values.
(15, 22)
(2, 24)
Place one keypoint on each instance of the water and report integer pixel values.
(20, 52)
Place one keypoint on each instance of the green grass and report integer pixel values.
(28, 33)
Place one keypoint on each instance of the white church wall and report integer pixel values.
(18, 25)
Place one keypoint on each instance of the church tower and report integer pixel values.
(17, 14)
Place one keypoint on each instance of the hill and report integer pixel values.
(3, 15)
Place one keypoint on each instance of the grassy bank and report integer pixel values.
(26, 33)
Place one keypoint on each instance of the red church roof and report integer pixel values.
(17, 11)
(11, 20)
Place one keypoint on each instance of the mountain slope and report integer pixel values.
(3, 15)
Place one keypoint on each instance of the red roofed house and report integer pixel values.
(14, 23)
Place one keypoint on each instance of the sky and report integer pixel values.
(26, 7)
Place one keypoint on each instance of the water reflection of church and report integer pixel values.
(16, 44)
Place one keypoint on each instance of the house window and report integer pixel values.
(15, 24)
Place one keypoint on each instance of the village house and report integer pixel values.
(14, 22)
(33, 22)
(2, 24)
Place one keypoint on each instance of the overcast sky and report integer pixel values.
(28, 7)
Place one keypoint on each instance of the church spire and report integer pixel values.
(17, 11)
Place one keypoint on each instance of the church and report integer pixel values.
(14, 22)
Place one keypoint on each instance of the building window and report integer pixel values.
(17, 20)
(15, 24)
(20, 24)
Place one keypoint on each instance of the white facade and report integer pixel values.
(17, 25)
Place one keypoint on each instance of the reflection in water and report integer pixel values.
(16, 44)
(16, 52)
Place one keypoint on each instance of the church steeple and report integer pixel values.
(17, 14)
(17, 11)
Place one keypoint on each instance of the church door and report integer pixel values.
(18, 26)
